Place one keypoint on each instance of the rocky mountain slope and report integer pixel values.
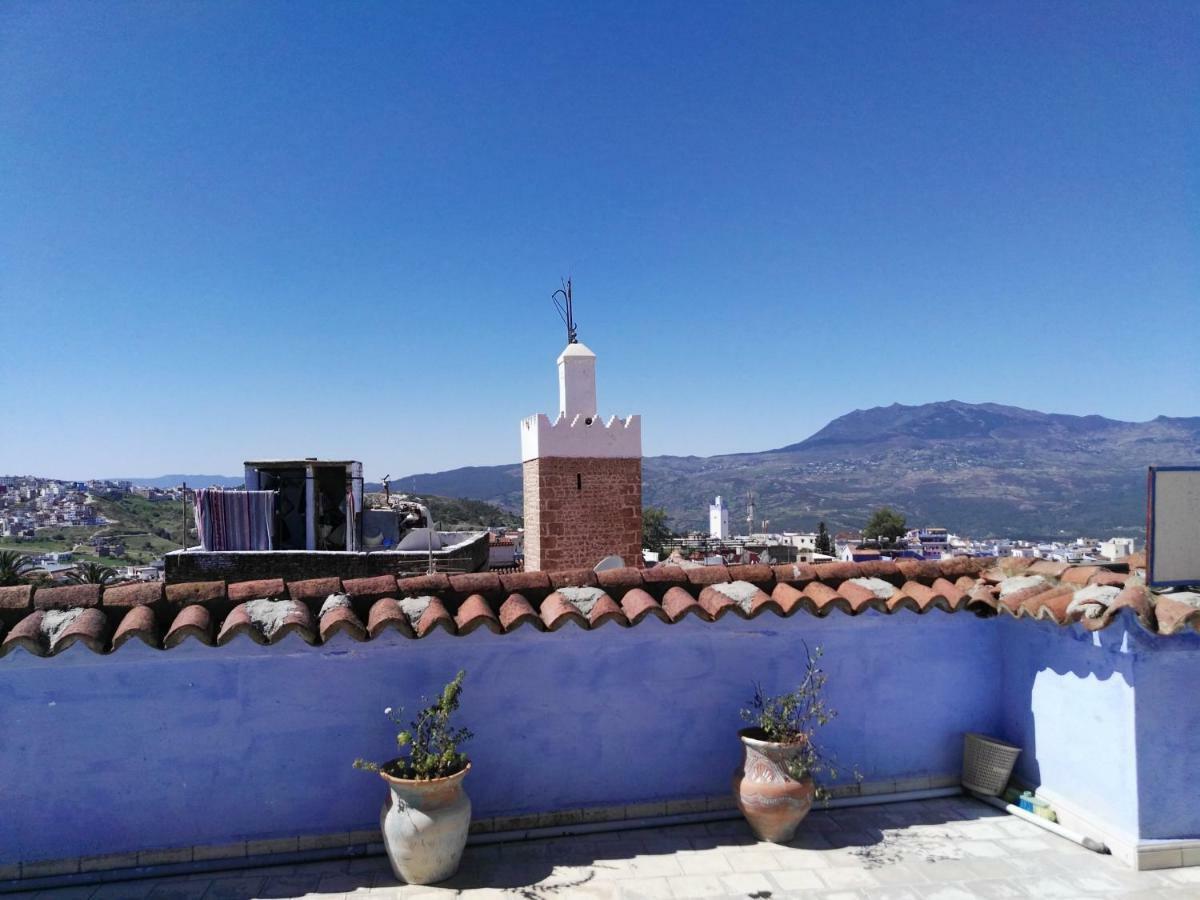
(977, 469)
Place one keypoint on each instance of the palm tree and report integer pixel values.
(14, 567)
(92, 573)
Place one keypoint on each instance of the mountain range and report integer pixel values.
(977, 469)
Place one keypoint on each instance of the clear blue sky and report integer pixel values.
(231, 230)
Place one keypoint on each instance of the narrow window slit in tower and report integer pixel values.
(579, 481)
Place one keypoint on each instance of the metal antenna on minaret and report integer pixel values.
(562, 302)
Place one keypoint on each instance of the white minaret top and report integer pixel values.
(578, 431)
(577, 382)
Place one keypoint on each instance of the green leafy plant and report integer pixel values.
(92, 573)
(14, 567)
(430, 742)
(793, 719)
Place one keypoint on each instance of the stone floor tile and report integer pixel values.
(846, 877)
(744, 883)
(752, 861)
(946, 892)
(1190, 875)
(893, 892)
(997, 889)
(650, 866)
(794, 858)
(992, 849)
(119, 890)
(687, 886)
(702, 862)
(798, 880)
(900, 873)
(236, 888)
(188, 889)
(353, 885)
(650, 888)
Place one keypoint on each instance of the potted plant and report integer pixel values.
(426, 814)
(774, 787)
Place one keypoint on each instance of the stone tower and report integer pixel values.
(583, 476)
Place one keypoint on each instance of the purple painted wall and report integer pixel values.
(202, 745)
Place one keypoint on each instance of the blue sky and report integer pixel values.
(256, 229)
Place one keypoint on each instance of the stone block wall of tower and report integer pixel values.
(580, 510)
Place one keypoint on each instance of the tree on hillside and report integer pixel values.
(14, 567)
(655, 531)
(92, 573)
(885, 526)
(824, 543)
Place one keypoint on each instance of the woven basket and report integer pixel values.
(987, 763)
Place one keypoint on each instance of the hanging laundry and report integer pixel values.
(235, 520)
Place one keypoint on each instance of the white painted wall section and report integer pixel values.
(577, 382)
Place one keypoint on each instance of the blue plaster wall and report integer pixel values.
(1168, 735)
(199, 745)
(1069, 702)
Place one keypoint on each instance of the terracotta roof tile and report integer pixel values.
(262, 589)
(516, 610)
(193, 621)
(18, 597)
(475, 612)
(371, 588)
(48, 620)
(137, 623)
(70, 597)
(146, 593)
(196, 592)
(314, 589)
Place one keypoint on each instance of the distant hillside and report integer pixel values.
(459, 513)
(978, 469)
(193, 481)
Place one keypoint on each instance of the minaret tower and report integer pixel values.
(583, 475)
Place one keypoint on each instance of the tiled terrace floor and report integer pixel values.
(943, 849)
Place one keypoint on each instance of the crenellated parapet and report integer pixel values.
(581, 437)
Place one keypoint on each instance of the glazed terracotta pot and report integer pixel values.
(424, 826)
(772, 801)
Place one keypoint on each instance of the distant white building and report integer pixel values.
(718, 520)
(1116, 548)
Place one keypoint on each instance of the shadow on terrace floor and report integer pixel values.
(910, 848)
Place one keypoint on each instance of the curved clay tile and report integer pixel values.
(75, 596)
(637, 605)
(1054, 604)
(476, 613)
(982, 598)
(794, 573)
(748, 599)
(860, 597)
(821, 599)
(706, 575)
(64, 627)
(370, 589)
(993, 575)
(193, 621)
(618, 581)
(314, 590)
(262, 588)
(915, 596)
(137, 623)
(517, 611)
(883, 569)
(196, 592)
(17, 597)
(834, 573)
(604, 610)
(386, 613)
(434, 615)
(557, 611)
(958, 566)
(143, 593)
(1014, 565)
(1134, 597)
(532, 583)
(665, 576)
(422, 585)
(573, 578)
(754, 573)
(1175, 614)
(1014, 596)
(592, 603)
(955, 596)
(717, 603)
(267, 621)
(923, 571)
(1079, 575)
(677, 603)
(337, 616)
(1109, 578)
(1049, 568)
(475, 583)
(787, 597)
(26, 634)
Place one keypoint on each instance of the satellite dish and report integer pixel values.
(609, 562)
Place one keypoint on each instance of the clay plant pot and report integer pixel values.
(424, 825)
(773, 802)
